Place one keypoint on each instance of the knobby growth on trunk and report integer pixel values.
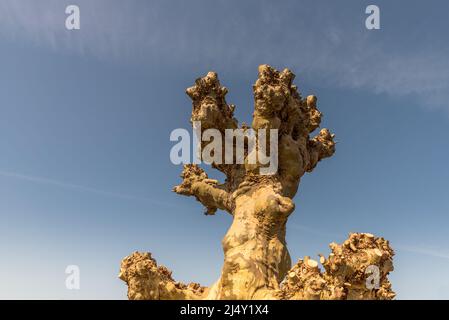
(257, 264)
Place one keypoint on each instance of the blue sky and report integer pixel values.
(85, 176)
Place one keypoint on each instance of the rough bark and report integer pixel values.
(257, 264)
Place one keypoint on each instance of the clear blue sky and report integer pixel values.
(85, 176)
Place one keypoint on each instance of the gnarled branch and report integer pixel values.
(196, 183)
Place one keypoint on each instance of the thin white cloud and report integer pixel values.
(428, 251)
(78, 187)
(421, 250)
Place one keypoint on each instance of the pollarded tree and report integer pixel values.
(257, 264)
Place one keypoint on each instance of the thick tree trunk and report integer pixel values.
(256, 256)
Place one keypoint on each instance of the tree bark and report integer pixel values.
(256, 256)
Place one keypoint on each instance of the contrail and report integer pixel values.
(62, 184)
(398, 247)
(413, 249)
(425, 251)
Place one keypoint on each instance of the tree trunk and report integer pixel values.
(256, 256)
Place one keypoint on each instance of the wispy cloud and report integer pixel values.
(62, 184)
(325, 41)
(428, 251)
(421, 250)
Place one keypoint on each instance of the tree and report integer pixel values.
(257, 264)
